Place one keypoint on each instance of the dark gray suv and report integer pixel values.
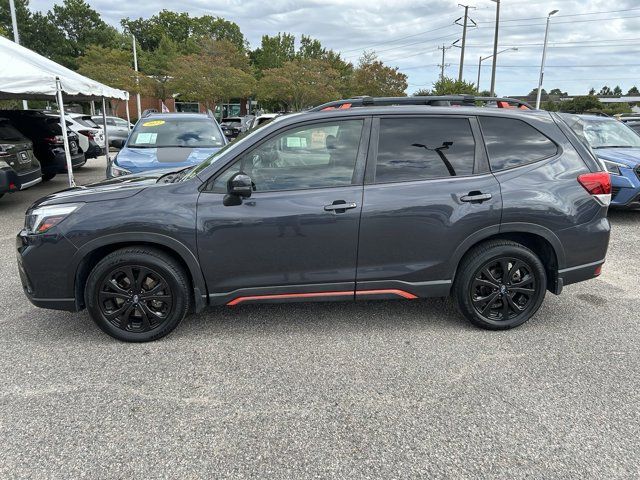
(494, 206)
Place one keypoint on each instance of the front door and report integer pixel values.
(428, 193)
(296, 236)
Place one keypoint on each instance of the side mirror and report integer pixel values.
(239, 186)
(117, 143)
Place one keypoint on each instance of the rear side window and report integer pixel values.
(424, 148)
(512, 143)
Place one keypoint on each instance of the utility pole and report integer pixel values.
(16, 36)
(495, 50)
(135, 67)
(464, 36)
(544, 57)
(443, 65)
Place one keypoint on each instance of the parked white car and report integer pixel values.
(262, 120)
(90, 136)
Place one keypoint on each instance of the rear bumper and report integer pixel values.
(580, 273)
(94, 150)
(60, 161)
(12, 181)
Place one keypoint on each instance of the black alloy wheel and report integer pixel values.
(138, 294)
(500, 284)
(503, 288)
(135, 298)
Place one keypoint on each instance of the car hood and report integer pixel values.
(627, 156)
(168, 157)
(116, 188)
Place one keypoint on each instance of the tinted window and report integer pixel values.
(511, 143)
(423, 148)
(314, 156)
(8, 133)
(86, 121)
(176, 132)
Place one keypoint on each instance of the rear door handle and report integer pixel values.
(340, 206)
(476, 197)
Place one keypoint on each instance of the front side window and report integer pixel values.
(314, 156)
(424, 148)
(176, 132)
(512, 143)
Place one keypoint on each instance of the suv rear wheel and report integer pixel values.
(137, 294)
(500, 285)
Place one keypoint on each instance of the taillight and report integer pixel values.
(597, 184)
(54, 139)
(87, 133)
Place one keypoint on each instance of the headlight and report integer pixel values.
(42, 219)
(613, 167)
(117, 171)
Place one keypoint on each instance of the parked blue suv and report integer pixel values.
(618, 147)
(168, 141)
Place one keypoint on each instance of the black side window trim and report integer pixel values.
(481, 161)
(541, 159)
(359, 166)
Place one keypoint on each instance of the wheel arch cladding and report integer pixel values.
(90, 254)
(538, 244)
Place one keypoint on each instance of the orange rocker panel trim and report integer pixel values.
(400, 293)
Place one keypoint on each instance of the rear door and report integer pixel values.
(297, 235)
(428, 194)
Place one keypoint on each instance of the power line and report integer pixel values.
(565, 16)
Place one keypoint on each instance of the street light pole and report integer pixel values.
(135, 67)
(495, 49)
(482, 59)
(544, 57)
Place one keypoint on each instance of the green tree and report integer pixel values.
(423, 92)
(184, 30)
(311, 48)
(605, 91)
(633, 91)
(581, 104)
(299, 83)
(112, 67)
(372, 77)
(592, 91)
(274, 52)
(617, 90)
(216, 74)
(82, 26)
(558, 93)
(157, 65)
(450, 86)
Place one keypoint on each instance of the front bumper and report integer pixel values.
(12, 181)
(43, 269)
(626, 188)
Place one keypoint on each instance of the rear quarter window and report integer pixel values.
(511, 143)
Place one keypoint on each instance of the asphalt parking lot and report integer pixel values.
(367, 390)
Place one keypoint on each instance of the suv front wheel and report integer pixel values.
(137, 294)
(500, 285)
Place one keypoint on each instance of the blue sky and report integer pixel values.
(586, 49)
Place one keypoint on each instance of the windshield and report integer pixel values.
(176, 132)
(604, 132)
(86, 122)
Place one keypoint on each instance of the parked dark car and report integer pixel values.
(19, 168)
(493, 206)
(48, 144)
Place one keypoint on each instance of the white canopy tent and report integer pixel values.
(28, 75)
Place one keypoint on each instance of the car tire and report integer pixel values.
(47, 176)
(137, 294)
(499, 285)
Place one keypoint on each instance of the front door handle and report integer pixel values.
(476, 197)
(340, 206)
